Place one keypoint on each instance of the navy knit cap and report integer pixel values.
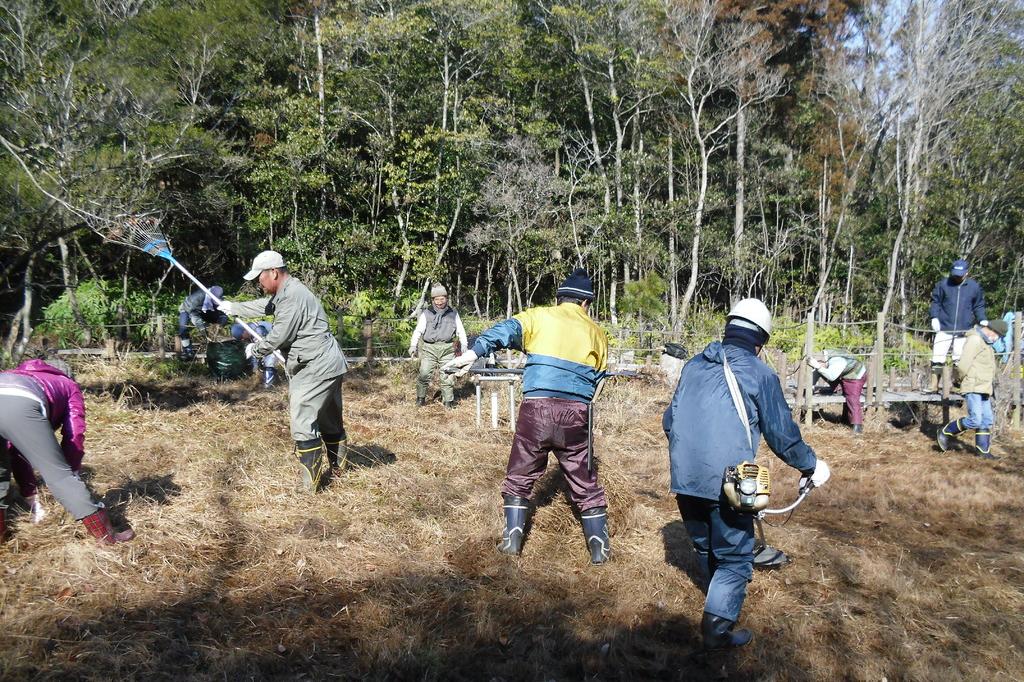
(577, 285)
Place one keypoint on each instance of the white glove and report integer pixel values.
(461, 363)
(984, 323)
(412, 351)
(935, 324)
(814, 362)
(819, 477)
(249, 349)
(227, 307)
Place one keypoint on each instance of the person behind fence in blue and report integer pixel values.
(268, 364)
(977, 368)
(711, 426)
(200, 310)
(566, 358)
(957, 302)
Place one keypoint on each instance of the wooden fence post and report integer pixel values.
(809, 382)
(1015, 371)
(800, 381)
(160, 336)
(879, 360)
(947, 382)
(367, 334)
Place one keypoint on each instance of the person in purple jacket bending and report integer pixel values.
(35, 399)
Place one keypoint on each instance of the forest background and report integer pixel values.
(826, 156)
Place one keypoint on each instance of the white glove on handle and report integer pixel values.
(935, 324)
(460, 365)
(984, 323)
(814, 362)
(412, 351)
(227, 307)
(819, 477)
(249, 348)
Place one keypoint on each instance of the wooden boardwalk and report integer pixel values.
(887, 397)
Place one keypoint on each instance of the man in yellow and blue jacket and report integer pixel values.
(566, 358)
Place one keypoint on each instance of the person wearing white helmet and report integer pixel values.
(726, 399)
(315, 363)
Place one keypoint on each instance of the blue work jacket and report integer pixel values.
(958, 306)
(705, 434)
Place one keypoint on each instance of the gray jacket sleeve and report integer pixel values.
(256, 308)
(286, 328)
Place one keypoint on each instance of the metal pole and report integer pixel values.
(494, 408)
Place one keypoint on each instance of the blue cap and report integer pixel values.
(959, 268)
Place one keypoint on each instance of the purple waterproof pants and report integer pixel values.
(559, 426)
(852, 390)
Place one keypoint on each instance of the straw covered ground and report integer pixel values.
(908, 565)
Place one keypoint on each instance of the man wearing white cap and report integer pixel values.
(443, 337)
(315, 364)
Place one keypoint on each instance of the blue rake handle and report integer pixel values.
(161, 249)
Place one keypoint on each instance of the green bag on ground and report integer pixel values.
(226, 359)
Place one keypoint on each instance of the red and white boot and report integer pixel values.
(98, 525)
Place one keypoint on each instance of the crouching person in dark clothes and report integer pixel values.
(706, 435)
(566, 357)
(266, 365)
(36, 398)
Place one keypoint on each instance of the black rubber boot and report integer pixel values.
(269, 377)
(718, 633)
(450, 405)
(337, 453)
(311, 461)
(3, 524)
(946, 432)
(595, 530)
(516, 510)
(420, 402)
(983, 444)
(858, 429)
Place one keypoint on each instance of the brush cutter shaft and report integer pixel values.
(791, 507)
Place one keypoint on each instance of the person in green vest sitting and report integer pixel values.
(842, 368)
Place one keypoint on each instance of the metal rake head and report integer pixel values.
(140, 232)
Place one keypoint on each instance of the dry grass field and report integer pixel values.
(909, 565)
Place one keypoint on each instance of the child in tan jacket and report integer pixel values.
(977, 369)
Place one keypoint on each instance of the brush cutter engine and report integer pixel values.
(747, 486)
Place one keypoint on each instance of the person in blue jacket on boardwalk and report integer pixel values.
(566, 358)
(706, 435)
(957, 303)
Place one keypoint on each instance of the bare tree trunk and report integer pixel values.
(848, 296)
(21, 326)
(70, 284)
(321, 97)
(613, 312)
(698, 219)
(673, 282)
(737, 227)
(476, 289)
